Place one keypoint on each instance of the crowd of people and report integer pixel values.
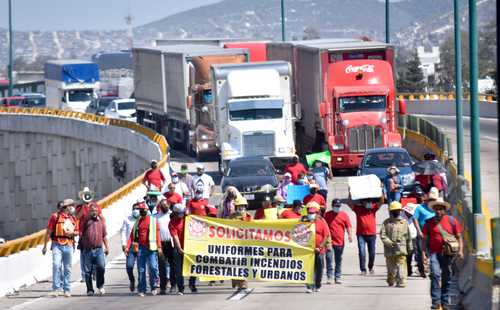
(153, 238)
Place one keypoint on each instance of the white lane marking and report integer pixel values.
(241, 294)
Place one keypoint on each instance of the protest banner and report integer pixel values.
(280, 251)
(296, 192)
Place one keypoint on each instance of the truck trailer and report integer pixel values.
(71, 84)
(346, 93)
(253, 111)
(174, 95)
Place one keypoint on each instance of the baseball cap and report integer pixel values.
(200, 166)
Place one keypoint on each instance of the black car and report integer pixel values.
(254, 177)
(97, 106)
(33, 100)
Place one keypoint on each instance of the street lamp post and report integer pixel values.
(474, 110)
(11, 61)
(458, 88)
(387, 32)
(283, 36)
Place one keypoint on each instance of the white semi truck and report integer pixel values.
(71, 84)
(253, 111)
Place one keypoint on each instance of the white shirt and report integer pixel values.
(163, 221)
(204, 181)
(181, 188)
(128, 224)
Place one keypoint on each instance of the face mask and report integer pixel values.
(175, 179)
(336, 209)
(135, 213)
(143, 212)
(240, 211)
(281, 206)
(368, 205)
(199, 173)
(311, 216)
(198, 196)
(300, 182)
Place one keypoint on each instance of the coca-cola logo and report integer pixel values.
(362, 68)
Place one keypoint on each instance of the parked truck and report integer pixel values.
(71, 84)
(173, 92)
(253, 111)
(346, 93)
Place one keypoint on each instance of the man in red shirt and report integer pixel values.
(145, 241)
(441, 263)
(315, 196)
(366, 232)
(295, 212)
(154, 178)
(295, 168)
(197, 205)
(172, 197)
(338, 223)
(176, 227)
(323, 243)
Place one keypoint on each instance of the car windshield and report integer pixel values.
(362, 103)
(35, 101)
(250, 170)
(127, 105)
(80, 95)
(104, 102)
(384, 160)
(245, 110)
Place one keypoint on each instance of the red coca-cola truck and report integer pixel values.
(346, 94)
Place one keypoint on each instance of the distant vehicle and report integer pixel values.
(34, 100)
(99, 105)
(377, 160)
(122, 109)
(255, 178)
(14, 101)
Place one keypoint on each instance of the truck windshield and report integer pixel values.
(362, 103)
(127, 105)
(245, 110)
(80, 95)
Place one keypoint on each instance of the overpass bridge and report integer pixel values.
(27, 286)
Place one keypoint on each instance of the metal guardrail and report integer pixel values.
(444, 96)
(37, 238)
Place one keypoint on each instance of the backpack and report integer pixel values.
(451, 245)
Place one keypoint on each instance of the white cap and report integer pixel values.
(200, 166)
(433, 193)
(178, 208)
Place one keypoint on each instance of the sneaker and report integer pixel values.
(180, 293)
(90, 293)
(317, 290)
(163, 292)
(154, 292)
(372, 271)
(423, 275)
(338, 281)
(54, 294)
(101, 291)
(141, 294)
(363, 273)
(132, 286)
(401, 285)
(309, 291)
(67, 294)
(390, 283)
(328, 280)
(436, 306)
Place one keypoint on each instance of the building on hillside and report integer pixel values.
(428, 60)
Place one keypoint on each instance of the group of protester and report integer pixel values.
(154, 239)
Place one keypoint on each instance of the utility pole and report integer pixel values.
(387, 32)
(11, 60)
(458, 88)
(474, 108)
(283, 36)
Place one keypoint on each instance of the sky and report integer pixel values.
(89, 14)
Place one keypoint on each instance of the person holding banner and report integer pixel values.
(228, 206)
(338, 222)
(176, 228)
(197, 205)
(323, 243)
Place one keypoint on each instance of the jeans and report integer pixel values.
(179, 279)
(318, 271)
(417, 253)
(150, 258)
(335, 253)
(91, 258)
(166, 265)
(61, 261)
(363, 241)
(131, 259)
(393, 196)
(442, 277)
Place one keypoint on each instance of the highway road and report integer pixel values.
(489, 154)
(357, 292)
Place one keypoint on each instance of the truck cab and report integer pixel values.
(254, 112)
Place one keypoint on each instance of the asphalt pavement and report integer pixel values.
(356, 291)
(489, 154)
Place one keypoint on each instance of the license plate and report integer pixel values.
(249, 197)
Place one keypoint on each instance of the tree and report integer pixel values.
(310, 33)
(411, 77)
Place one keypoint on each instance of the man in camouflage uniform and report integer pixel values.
(395, 235)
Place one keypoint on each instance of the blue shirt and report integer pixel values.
(422, 214)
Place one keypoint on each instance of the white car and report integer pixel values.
(122, 109)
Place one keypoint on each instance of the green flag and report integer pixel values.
(321, 156)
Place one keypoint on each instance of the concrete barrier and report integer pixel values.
(447, 107)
